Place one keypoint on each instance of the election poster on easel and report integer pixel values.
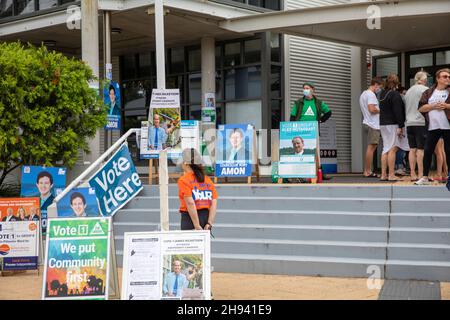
(19, 245)
(190, 135)
(116, 183)
(44, 183)
(164, 124)
(235, 150)
(298, 144)
(170, 265)
(78, 259)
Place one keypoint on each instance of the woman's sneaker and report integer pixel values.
(422, 182)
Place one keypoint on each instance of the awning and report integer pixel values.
(406, 25)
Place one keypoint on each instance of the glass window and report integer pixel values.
(47, 4)
(23, 7)
(145, 65)
(386, 66)
(195, 88)
(6, 8)
(442, 57)
(244, 83)
(232, 54)
(176, 82)
(195, 60)
(275, 106)
(421, 60)
(177, 60)
(275, 52)
(219, 91)
(257, 3)
(195, 112)
(129, 67)
(272, 4)
(252, 51)
(275, 82)
(218, 57)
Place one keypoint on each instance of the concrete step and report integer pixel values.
(270, 217)
(275, 203)
(421, 205)
(412, 192)
(294, 265)
(419, 252)
(338, 249)
(283, 232)
(420, 220)
(308, 191)
(418, 270)
(420, 235)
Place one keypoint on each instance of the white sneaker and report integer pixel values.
(422, 182)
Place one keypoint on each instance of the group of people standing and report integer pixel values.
(418, 122)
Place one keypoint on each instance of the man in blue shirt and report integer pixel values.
(157, 136)
(175, 281)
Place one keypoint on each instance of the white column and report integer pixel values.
(159, 37)
(90, 55)
(358, 85)
(208, 54)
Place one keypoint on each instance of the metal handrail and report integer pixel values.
(94, 165)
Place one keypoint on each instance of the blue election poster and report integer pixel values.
(298, 144)
(116, 183)
(79, 202)
(234, 150)
(111, 98)
(45, 183)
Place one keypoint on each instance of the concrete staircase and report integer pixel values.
(323, 230)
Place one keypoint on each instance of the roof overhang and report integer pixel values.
(405, 24)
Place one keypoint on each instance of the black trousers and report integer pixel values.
(430, 144)
(186, 221)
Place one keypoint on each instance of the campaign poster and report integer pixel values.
(116, 183)
(234, 150)
(171, 265)
(328, 146)
(79, 202)
(164, 124)
(190, 134)
(20, 209)
(19, 245)
(77, 258)
(45, 183)
(111, 98)
(298, 144)
(209, 108)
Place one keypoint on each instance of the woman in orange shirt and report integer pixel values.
(198, 196)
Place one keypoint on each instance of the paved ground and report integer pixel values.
(227, 286)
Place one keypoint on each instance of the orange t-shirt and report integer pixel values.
(202, 193)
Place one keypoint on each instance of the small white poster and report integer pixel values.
(171, 265)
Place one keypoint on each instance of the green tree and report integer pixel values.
(47, 108)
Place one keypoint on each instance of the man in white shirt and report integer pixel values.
(415, 124)
(435, 106)
(371, 112)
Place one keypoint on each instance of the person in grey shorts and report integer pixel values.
(371, 112)
(415, 124)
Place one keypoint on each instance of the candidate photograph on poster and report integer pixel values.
(45, 183)
(19, 209)
(164, 129)
(183, 277)
(298, 144)
(234, 150)
(111, 98)
(79, 202)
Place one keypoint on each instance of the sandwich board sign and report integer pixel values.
(79, 259)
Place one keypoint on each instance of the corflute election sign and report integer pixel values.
(117, 182)
(77, 258)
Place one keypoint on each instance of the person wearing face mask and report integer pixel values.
(310, 108)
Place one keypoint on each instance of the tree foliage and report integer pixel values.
(47, 108)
